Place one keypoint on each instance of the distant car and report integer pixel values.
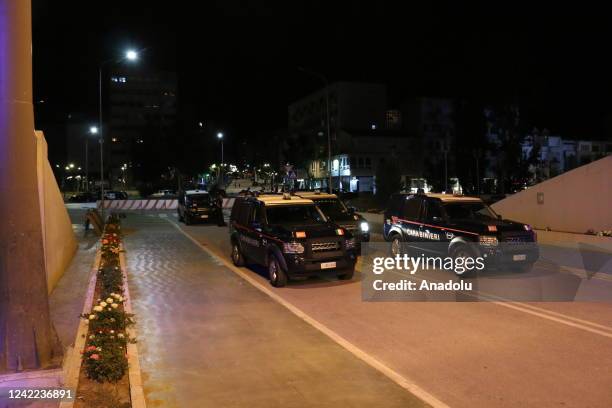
(115, 195)
(463, 226)
(163, 193)
(339, 213)
(198, 206)
(290, 236)
(83, 197)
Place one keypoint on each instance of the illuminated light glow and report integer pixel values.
(93, 130)
(339, 231)
(300, 234)
(492, 228)
(131, 55)
(220, 135)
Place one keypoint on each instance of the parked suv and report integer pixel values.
(290, 236)
(197, 205)
(458, 226)
(336, 211)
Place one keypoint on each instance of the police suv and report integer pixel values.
(336, 211)
(197, 206)
(290, 236)
(458, 226)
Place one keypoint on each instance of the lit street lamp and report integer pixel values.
(130, 55)
(220, 137)
(93, 130)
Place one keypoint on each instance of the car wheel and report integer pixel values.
(237, 257)
(278, 277)
(346, 274)
(397, 245)
(462, 251)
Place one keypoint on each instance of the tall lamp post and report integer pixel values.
(130, 55)
(220, 137)
(93, 130)
(325, 81)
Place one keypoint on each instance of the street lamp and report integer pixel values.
(130, 55)
(93, 130)
(220, 137)
(325, 81)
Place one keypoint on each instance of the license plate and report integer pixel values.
(204, 216)
(328, 265)
(520, 257)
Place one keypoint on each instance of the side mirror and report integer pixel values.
(436, 219)
(499, 217)
(352, 210)
(256, 226)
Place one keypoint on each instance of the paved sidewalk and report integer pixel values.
(207, 338)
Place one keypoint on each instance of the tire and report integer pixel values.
(278, 277)
(463, 251)
(397, 245)
(237, 257)
(346, 274)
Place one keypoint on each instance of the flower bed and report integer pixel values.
(103, 379)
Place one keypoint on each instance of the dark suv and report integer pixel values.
(197, 206)
(290, 236)
(460, 227)
(336, 211)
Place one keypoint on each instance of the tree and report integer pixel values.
(388, 180)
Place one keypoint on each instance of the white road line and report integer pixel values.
(356, 351)
(561, 318)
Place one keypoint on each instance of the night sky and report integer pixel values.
(237, 61)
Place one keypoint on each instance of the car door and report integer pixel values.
(411, 219)
(433, 236)
(257, 225)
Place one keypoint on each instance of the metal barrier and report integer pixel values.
(153, 204)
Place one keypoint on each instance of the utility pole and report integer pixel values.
(27, 338)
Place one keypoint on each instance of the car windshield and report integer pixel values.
(294, 214)
(474, 210)
(200, 199)
(334, 209)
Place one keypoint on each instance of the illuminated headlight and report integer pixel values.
(488, 240)
(527, 227)
(350, 243)
(364, 226)
(293, 248)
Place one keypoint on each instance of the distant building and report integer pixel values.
(554, 155)
(365, 133)
(141, 108)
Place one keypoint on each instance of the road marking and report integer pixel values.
(399, 379)
(561, 318)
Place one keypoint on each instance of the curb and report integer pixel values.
(134, 372)
(72, 366)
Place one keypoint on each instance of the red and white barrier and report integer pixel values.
(153, 204)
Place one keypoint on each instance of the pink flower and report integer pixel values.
(94, 357)
(90, 348)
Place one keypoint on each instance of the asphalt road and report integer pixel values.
(473, 354)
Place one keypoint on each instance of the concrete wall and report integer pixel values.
(575, 201)
(58, 237)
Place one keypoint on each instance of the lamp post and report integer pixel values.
(93, 130)
(325, 81)
(220, 137)
(130, 55)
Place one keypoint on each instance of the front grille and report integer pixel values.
(325, 246)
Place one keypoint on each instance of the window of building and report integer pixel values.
(595, 148)
(368, 163)
(360, 163)
(585, 148)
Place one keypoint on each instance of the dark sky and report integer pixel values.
(237, 61)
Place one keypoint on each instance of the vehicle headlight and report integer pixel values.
(293, 248)
(364, 226)
(350, 243)
(488, 240)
